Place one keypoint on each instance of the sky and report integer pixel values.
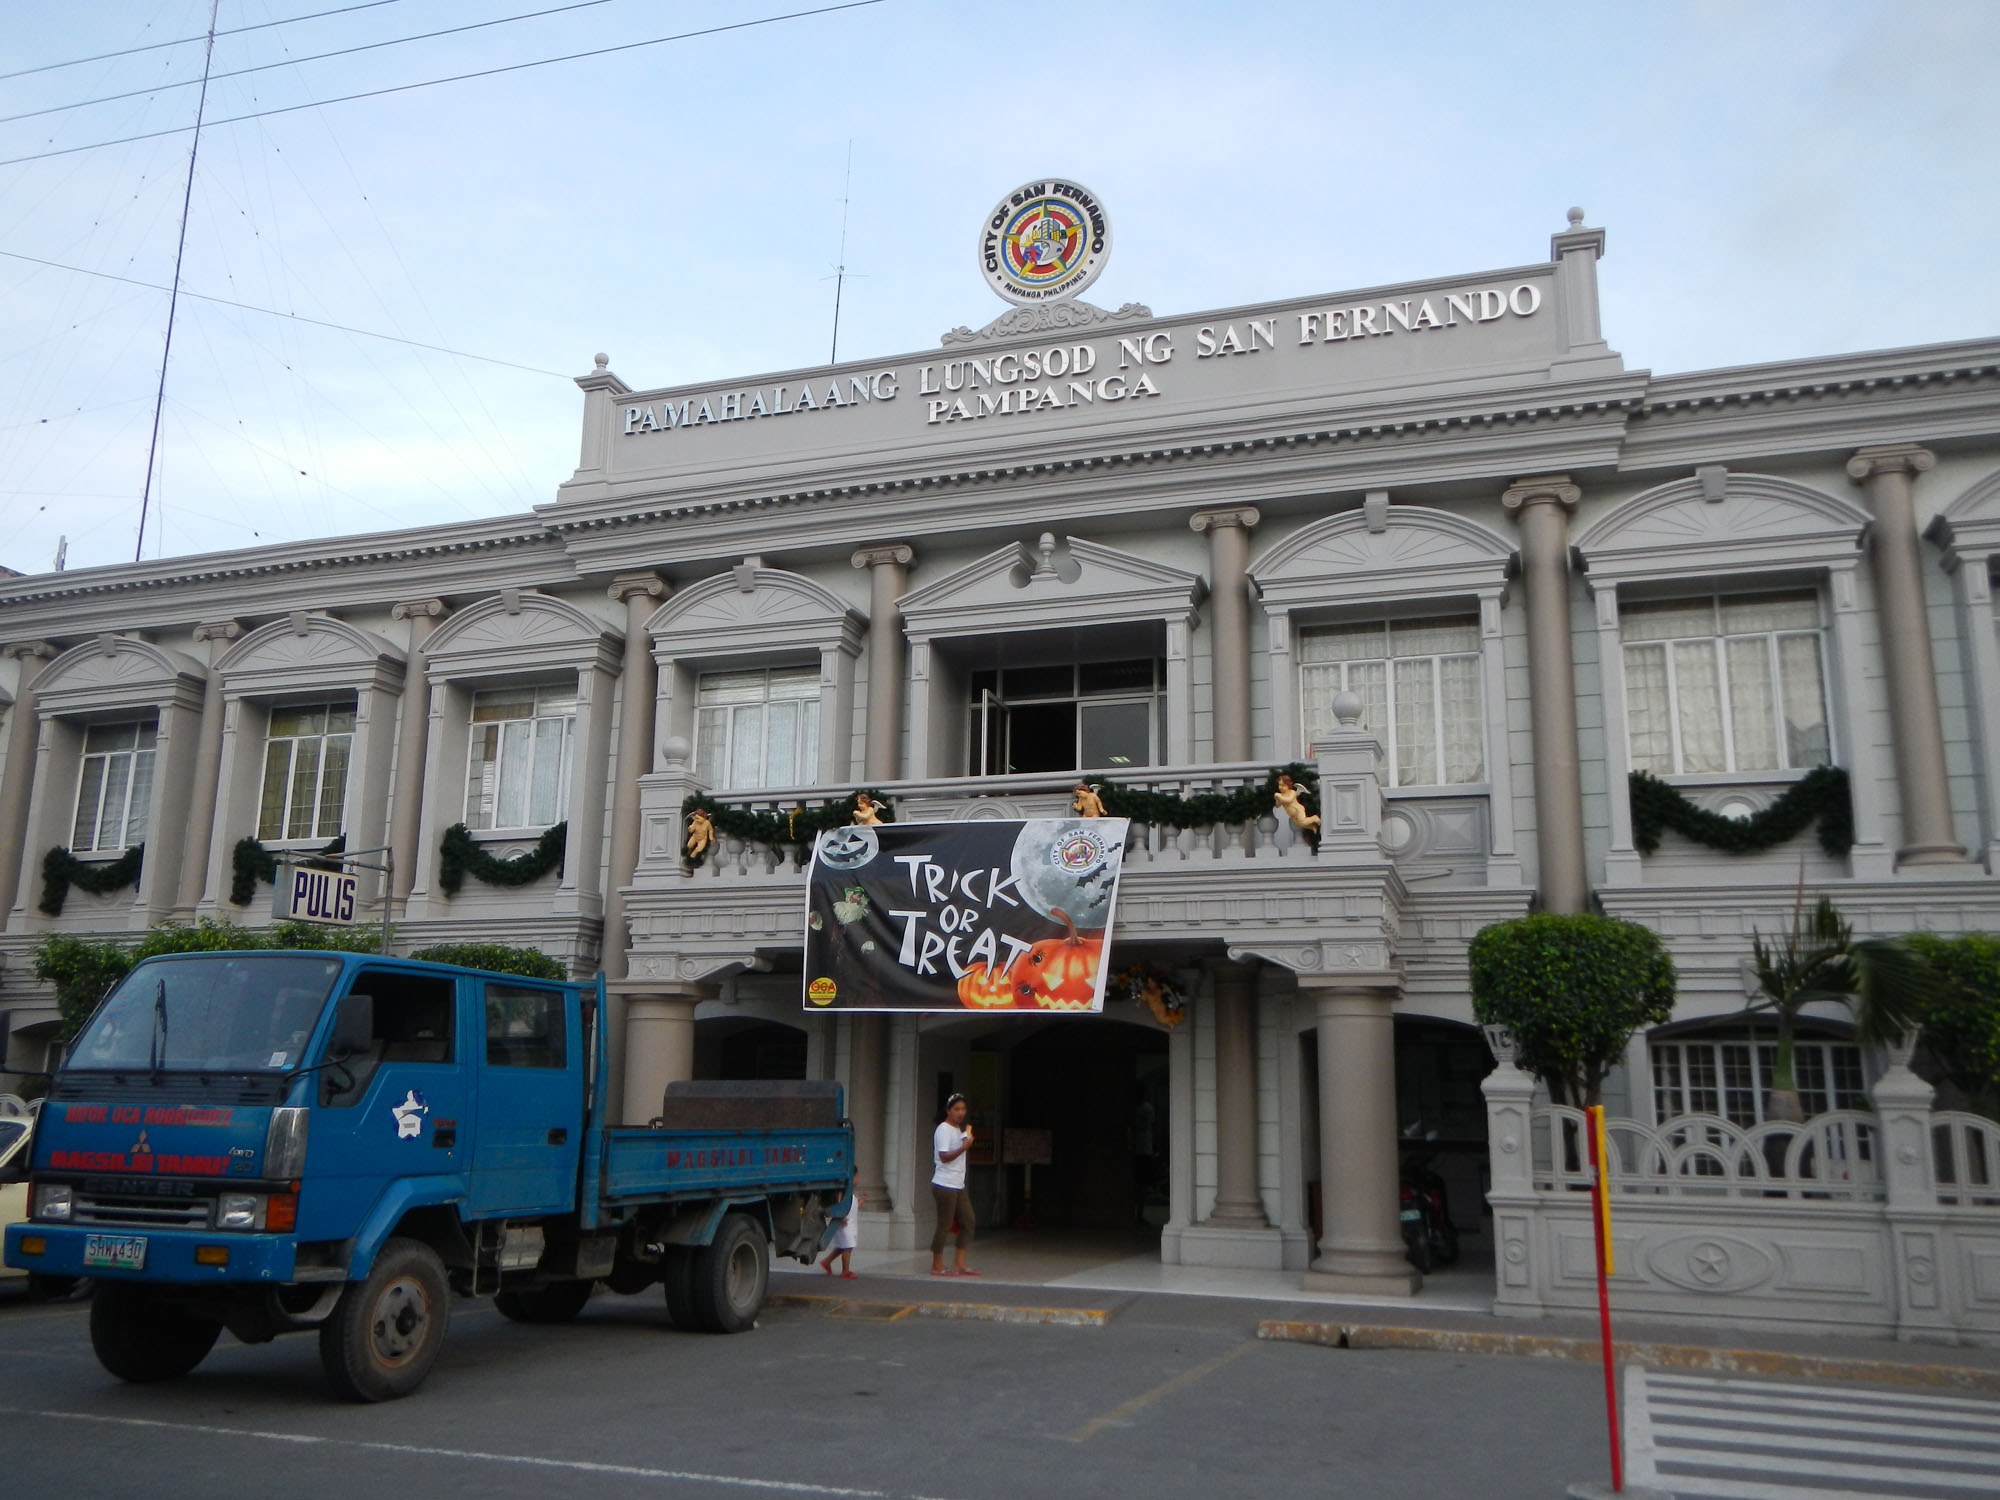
(1777, 180)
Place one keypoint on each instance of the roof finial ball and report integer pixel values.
(1576, 218)
(1347, 709)
(604, 360)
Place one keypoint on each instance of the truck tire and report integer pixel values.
(730, 1275)
(677, 1280)
(140, 1337)
(385, 1335)
(558, 1302)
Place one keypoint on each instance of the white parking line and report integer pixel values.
(521, 1460)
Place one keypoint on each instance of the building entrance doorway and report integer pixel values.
(1099, 1090)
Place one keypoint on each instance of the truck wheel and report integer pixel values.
(385, 1335)
(139, 1337)
(558, 1302)
(730, 1276)
(677, 1279)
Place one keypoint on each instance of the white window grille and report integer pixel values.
(114, 792)
(1419, 685)
(1730, 682)
(1731, 1077)
(758, 728)
(519, 764)
(306, 755)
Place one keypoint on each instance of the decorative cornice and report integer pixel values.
(1554, 489)
(1050, 317)
(1891, 458)
(411, 609)
(21, 650)
(626, 585)
(1244, 516)
(899, 553)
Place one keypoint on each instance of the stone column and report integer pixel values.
(640, 593)
(1928, 835)
(887, 580)
(1229, 605)
(868, 1106)
(1361, 1249)
(413, 726)
(659, 1040)
(23, 744)
(217, 634)
(1919, 1227)
(1238, 1204)
(1541, 509)
(1510, 1106)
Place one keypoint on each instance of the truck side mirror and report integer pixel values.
(353, 1026)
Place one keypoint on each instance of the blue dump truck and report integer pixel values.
(280, 1142)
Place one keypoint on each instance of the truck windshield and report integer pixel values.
(224, 1014)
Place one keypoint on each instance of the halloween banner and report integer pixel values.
(981, 915)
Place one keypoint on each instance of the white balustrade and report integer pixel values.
(1965, 1154)
(1831, 1156)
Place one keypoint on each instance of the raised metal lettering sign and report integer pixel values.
(1043, 241)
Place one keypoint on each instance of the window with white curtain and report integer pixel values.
(305, 771)
(758, 727)
(114, 790)
(518, 775)
(1731, 1076)
(1419, 685)
(1729, 682)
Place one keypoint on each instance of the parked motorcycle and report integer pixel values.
(1429, 1237)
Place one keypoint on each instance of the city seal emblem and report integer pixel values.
(1043, 241)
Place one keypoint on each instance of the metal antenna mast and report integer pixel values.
(840, 271)
(174, 296)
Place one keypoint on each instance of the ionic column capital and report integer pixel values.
(218, 630)
(1547, 489)
(901, 554)
(22, 650)
(630, 585)
(413, 609)
(1891, 458)
(1244, 516)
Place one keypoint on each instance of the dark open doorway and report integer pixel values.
(1100, 1089)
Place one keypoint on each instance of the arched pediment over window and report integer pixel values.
(309, 652)
(754, 609)
(1971, 523)
(1402, 550)
(117, 672)
(519, 631)
(1023, 588)
(1715, 522)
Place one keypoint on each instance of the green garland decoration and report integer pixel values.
(252, 862)
(1820, 797)
(1206, 809)
(802, 825)
(460, 856)
(61, 870)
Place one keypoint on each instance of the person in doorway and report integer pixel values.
(950, 1142)
(843, 1242)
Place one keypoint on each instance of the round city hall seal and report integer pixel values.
(1044, 240)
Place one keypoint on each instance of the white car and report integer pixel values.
(16, 1119)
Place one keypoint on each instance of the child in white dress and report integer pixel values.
(843, 1243)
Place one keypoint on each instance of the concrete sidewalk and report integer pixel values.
(1084, 1279)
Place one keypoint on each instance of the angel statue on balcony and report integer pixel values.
(1086, 803)
(865, 810)
(1291, 802)
(701, 834)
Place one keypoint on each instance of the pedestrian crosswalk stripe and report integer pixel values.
(1758, 1440)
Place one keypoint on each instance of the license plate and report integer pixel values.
(1411, 1215)
(115, 1252)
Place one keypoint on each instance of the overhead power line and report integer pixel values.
(188, 41)
(404, 88)
(291, 62)
(272, 312)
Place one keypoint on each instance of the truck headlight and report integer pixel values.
(239, 1211)
(285, 1142)
(55, 1201)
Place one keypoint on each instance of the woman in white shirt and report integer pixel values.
(948, 1147)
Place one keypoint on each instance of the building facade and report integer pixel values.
(1157, 549)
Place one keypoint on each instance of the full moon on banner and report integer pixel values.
(987, 915)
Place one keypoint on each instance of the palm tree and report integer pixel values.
(1880, 980)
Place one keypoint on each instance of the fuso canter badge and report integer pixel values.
(1043, 241)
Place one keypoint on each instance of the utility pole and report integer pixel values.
(174, 296)
(840, 271)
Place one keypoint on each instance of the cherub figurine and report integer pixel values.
(865, 810)
(1292, 803)
(1086, 803)
(701, 833)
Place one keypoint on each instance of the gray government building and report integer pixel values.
(1155, 549)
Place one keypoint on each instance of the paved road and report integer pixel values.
(1175, 1397)
(1777, 1440)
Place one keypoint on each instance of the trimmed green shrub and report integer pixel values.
(496, 958)
(1572, 990)
(1961, 1016)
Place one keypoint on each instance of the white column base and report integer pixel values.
(1231, 1247)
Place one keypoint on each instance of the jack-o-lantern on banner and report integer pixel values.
(984, 915)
